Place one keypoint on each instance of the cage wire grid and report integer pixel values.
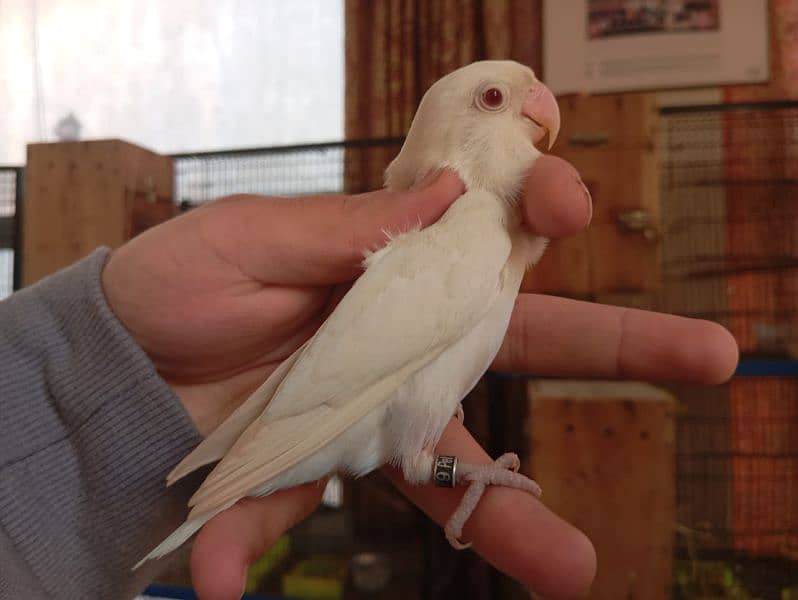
(729, 214)
(10, 188)
(327, 168)
(729, 222)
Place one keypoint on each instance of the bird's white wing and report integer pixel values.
(430, 289)
(221, 439)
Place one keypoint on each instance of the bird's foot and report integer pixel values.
(460, 414)
(503, 471)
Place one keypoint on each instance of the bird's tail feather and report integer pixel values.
(176, 539)
(216, 445)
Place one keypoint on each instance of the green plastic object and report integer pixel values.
(266, 564)
(318, 578)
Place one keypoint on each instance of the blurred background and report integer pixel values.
(681, 116)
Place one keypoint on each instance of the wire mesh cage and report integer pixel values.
(10, 189)
(729, 209)
(354, 166)
(729, 190)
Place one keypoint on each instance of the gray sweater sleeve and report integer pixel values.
(88, 432)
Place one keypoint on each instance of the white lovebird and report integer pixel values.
(383, 375)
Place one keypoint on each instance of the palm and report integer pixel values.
(227, 333)
(211, 328)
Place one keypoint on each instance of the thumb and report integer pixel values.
(321, 240)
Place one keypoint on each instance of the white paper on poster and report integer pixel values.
(618, 45)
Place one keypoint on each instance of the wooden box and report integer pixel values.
(81, 195)
(604, 454)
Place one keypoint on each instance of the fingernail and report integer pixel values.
(588, 199)
(244, 585)
(428, 180)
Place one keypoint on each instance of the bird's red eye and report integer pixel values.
(492, 97)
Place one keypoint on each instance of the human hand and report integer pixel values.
(220, 296)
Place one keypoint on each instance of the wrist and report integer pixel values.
(202, 407)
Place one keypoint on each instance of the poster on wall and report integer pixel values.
(625, 45)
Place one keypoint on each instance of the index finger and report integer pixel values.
(551, 336)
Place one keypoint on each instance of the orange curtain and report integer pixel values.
(395, 49)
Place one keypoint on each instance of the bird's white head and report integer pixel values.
(483, 121)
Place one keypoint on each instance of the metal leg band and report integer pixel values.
(445, 472)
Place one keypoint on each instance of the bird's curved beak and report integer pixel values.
(541, 108)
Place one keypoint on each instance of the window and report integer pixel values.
(184, 75)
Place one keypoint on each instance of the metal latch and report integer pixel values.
(638, 220)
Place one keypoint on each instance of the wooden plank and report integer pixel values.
(81, 195)
(604, 455)
(564, 269)
(622, 263)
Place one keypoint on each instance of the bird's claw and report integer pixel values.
(503, 472)
(508, 461)
(455, 542)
